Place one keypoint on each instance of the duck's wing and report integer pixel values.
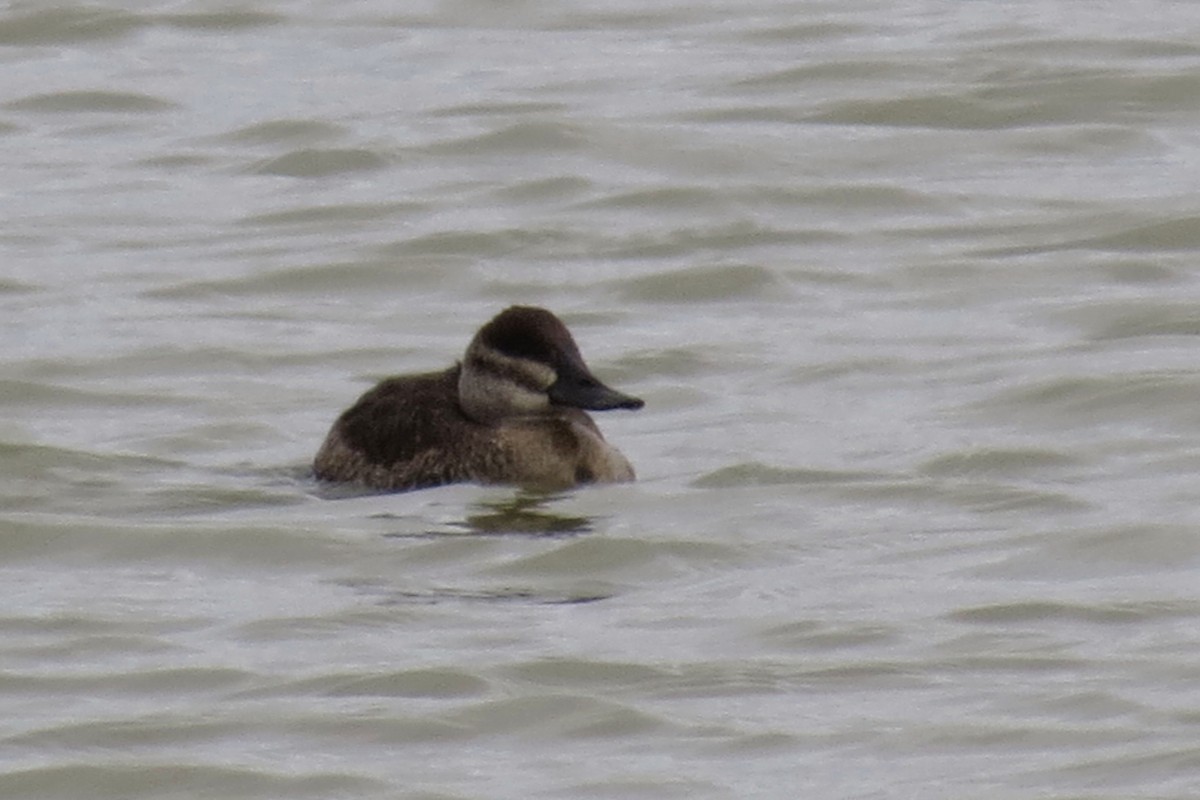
(402, 434)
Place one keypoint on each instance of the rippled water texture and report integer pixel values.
(910, 291)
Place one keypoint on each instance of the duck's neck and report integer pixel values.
(489, 393)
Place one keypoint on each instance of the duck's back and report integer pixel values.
(398, 434)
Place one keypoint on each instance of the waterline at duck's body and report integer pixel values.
(511, 412)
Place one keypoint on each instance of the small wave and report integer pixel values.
(284, 131)
(1091, 553)
(221, 21)
(68, 25)
(540, 136)
(596, 556)
(705, 284)
(317, 163)
(91, 101)
(753, 473)
(555, 716)
(177, 780)
(1034, 611)
(335, 216)
(430, 683)
(997, 461)
(1164, 398)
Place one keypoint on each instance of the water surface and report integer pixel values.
(909, 290)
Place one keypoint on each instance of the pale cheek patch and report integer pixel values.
(529, 375)
(494, 386)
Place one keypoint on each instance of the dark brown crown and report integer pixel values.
(531, 333)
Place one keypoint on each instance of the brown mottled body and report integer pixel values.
(510, 413)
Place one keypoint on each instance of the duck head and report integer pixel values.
(525, 362)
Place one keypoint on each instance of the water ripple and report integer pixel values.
(315, 163)
(67, 25)
(90, 101)
(911, 297)
(177, 780)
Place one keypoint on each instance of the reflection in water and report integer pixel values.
(525, 513)
(492, 596)
(385, 594)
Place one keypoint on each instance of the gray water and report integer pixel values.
(910, 290)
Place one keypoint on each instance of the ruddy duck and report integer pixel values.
(511, 412)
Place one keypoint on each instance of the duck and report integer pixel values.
(512, 411)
